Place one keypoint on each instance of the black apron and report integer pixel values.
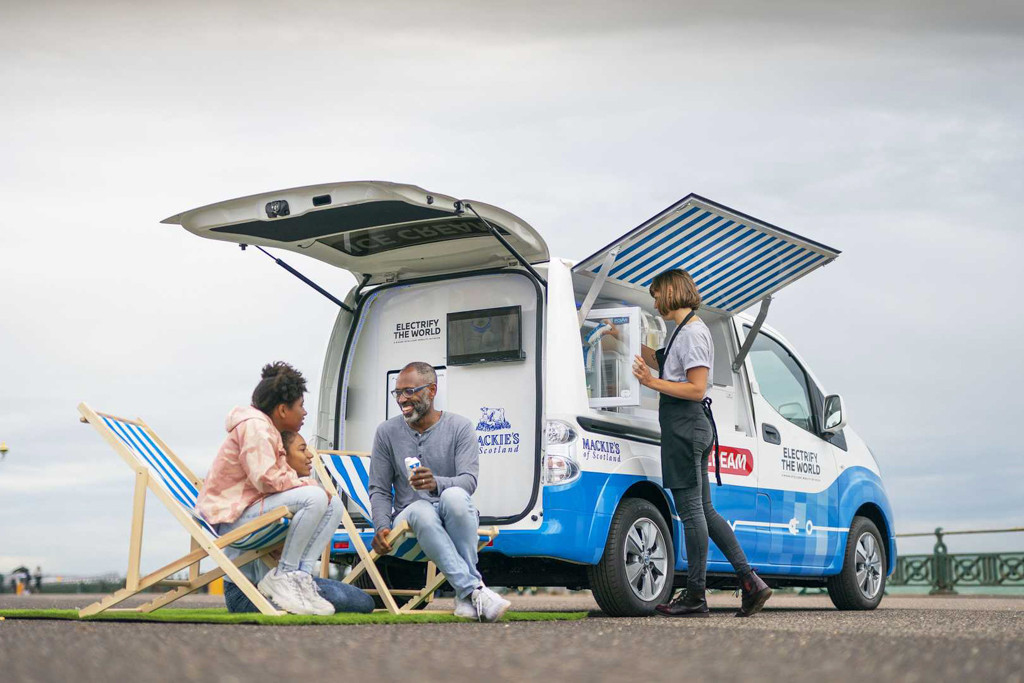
(687, 431)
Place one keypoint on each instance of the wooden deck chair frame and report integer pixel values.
(368, 558)
(203, 545)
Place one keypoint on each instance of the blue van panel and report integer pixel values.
(577, 518)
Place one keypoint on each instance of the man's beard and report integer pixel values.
(420, 407)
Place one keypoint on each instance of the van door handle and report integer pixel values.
(770, 434)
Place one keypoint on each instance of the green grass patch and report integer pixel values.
(222, 616)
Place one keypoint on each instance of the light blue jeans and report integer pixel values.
(314, 521)
(447, 532)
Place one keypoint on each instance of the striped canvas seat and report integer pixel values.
(351, 474)
(347, 473)
(181, 487)
(158, 471)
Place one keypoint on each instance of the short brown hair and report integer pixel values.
(684, 292)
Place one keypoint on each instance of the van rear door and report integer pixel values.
(735, 259)
(385, 230)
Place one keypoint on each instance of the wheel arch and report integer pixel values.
(875, 514)
(644, 490)
(863, 494)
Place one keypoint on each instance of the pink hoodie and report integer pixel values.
(249, 466)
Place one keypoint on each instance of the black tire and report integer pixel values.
(861, 583)
(608, 578)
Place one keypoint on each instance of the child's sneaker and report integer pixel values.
(285, 592)
(314, 600)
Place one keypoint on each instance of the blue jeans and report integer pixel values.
(447, 532)
(314, 522)
(344, 597)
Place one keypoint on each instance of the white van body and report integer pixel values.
(569, 444)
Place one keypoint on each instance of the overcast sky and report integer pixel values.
(892, 131)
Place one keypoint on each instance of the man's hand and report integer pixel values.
(380, 541)
(422, 479)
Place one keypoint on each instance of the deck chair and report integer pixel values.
(158, 470)
(349, 471)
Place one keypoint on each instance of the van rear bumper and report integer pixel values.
(563, 535)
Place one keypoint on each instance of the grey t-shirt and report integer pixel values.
(693, 348)
(449, 449)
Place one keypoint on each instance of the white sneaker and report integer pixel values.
(489, 605)
(465, 608)
(285, 592)
(314, 600)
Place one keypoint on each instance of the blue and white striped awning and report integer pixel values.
(736, 260)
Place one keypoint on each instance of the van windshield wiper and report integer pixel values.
(302, 277)
(504, 242)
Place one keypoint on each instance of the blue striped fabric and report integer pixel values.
(163, 470)
(734, 259)
(351, 473)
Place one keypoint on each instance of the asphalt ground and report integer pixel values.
(796, 638)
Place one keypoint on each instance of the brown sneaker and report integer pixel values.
(755, 593)
(686, 604)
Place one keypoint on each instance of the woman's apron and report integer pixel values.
(687, 431)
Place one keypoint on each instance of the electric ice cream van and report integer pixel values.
(569, 441)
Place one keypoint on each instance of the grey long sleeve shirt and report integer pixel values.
(449, 449)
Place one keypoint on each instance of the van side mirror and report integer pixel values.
(835, 415)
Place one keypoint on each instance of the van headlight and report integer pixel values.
(560, 465)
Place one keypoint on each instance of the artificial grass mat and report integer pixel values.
(222, 616)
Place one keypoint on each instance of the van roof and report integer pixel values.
(735, 259)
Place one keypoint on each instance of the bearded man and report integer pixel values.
(435, 496)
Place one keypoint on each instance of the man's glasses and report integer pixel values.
(408, 391)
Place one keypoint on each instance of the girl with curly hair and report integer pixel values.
(250, 475)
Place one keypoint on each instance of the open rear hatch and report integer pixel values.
(385, 230)
(735, 260)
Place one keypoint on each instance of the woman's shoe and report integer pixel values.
(686, 604)
(755, 593)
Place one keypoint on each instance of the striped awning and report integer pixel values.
(736, 260)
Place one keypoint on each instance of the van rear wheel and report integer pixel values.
(861, 583)
(637, 568)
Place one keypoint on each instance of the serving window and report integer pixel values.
(611, 338)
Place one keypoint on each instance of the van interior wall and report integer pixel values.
(408, 323)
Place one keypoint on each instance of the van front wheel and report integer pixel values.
(636, 571)
(861, 583)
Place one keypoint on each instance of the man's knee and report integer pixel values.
(456, 501)
(421, 515)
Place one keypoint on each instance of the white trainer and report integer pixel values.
(314, 600)
(465, 608)
(285, 592)
(489, 605)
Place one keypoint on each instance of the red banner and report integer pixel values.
(736, 461)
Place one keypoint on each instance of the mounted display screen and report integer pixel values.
(485, 335)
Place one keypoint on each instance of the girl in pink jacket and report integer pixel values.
(250, 476)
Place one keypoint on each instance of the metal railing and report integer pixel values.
(944, 572)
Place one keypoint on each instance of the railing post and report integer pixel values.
(942, 564)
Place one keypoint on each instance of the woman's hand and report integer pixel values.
(642, 372)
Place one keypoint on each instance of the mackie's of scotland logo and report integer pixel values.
(498, 437)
